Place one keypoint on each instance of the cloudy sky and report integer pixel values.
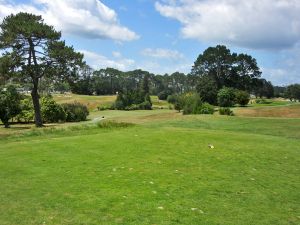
(164, 36)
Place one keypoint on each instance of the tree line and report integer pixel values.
(35, 57)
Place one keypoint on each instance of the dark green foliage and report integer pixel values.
(164, 95)
(172, 99)
(226, 97)
(242, 97)
(105, 107)
(293, 92)
(206, 108)
(279, 91)
(264, 88)
(177, 100)
(37, 52)
(75, 112)
(51, 111)
(9, 104)
(27, 113)
(226, 68)
(192, 103)
(208, 89)
(262, 101)
(135, 99)
(226, 111)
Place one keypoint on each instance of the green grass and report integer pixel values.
(159, 171)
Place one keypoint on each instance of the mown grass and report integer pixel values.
(160, 171)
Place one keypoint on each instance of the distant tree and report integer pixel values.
(207, 89)
(226, 97)
(9, 104)
(293, 92)
(215, 62)
(264, 88)
(226, 68)
(244, 70)
(36, 51)
(279, 91)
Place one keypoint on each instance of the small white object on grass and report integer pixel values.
(211, 146)
(193, 209)
(160, 207)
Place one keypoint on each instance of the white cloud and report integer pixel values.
(117, 54)
(286, 69)
(258, 24)
(97, 61)
(86, 18)
(163, 53)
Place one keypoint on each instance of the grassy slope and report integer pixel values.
(123, 176)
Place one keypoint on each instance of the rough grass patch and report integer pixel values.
(113, 124)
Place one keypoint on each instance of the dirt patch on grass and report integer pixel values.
(292, 111)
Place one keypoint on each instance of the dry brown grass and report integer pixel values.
(292, 111)
(92, 102)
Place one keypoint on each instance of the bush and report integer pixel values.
(9, 104)
(133, 100)
(105, 107)
(206, 108)
(163, 95)
(192, 104)
(51, 111)
(172, 99)
(75, 112)
(226, 97)
(242, 97)
(27, 113)
(262, 101)
(146, 105)
(226, 111)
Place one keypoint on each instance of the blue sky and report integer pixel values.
(164, 36)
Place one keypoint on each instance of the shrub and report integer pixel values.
(146, 105)
(226, 111)
(163, 95)
(172, 99)
(226, 97)
(9, 104)
(27, 113)
(192, 104)
(262, 101)
(51, 111)
(105, 107)
(242, 97)
(133, 100)
(206, 108)
(75, 112)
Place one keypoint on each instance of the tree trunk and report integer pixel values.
(6, 124)
(36, 105)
